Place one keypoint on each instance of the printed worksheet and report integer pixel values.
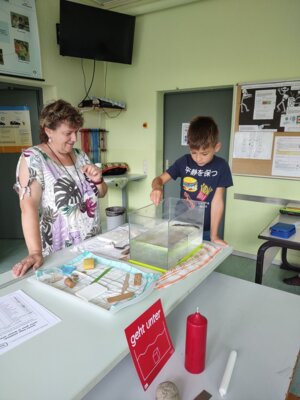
(21, 318)
(256, 145)
(286, 159)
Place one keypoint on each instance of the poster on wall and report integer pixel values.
(276, 107)
(19, 39)
(15, 129)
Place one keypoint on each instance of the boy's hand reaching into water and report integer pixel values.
(156, 196)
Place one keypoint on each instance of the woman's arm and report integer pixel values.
(29, 205)
(102, 189)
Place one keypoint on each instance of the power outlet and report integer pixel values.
(145, 167)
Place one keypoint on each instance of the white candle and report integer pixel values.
(227, 373)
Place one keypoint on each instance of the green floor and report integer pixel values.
(11, 251)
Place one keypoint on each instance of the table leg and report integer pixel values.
(260, 260)
(285, 264)
(124, 196)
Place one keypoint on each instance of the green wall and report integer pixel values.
(211, 43)
(207, 44)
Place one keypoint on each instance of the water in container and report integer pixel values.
(161, 236)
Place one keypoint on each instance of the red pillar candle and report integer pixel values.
(195, 343)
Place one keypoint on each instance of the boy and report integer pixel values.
(204, 176)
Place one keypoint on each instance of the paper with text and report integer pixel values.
(21, 318)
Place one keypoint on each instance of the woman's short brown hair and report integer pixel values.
(56, 113)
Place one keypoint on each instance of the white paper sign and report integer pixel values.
(286, 158)
(21, 318)
(257, 145)
(184, 131)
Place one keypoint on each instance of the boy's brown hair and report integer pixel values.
(203, 132)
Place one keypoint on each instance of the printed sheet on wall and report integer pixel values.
(19, 39)
(267, 130)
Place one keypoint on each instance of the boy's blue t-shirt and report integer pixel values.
(200, 183)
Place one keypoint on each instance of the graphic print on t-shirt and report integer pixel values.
(190, 184)
(204, 192)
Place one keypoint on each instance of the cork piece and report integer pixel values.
(120, 297)
(69, 282)
(137, 279)
(88, 263)
(204, 395)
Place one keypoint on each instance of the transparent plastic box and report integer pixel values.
(162, 236)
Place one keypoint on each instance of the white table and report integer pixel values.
(261, 323)
(121, 182)
(68, 360)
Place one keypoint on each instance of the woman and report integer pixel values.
(58, 187)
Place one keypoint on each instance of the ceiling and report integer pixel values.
(138, 7)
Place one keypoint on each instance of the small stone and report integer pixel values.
(167, 391)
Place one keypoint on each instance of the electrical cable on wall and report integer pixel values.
(87, 92)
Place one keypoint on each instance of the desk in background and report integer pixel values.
(121, 182)
(277, 243)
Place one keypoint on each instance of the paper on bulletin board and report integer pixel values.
(253, 144)
(15, 129)
(286, 157)
(291, 119)
(264, 105)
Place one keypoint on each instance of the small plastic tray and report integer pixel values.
(282, 230)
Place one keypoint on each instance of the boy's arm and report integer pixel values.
(157, 187)
(216, 213)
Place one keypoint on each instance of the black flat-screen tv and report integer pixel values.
(95, 33)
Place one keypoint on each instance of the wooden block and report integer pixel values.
(120, 297)
(88, 263)
(137, 279)
(69, 282)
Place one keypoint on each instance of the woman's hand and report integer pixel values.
(34, 261)
(92, 172)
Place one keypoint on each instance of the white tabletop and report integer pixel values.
(261, 323)
(68, 360)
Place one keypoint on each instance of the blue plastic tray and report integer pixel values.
(282, 230)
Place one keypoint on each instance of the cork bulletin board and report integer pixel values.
(267, 130)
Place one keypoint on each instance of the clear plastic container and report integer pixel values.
(161, 236)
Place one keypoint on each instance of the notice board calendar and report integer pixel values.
(19, 39)
(267, 130)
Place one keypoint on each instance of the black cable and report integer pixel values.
(109, 115)
(91, 84)
(84, 77)
(105, 76)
